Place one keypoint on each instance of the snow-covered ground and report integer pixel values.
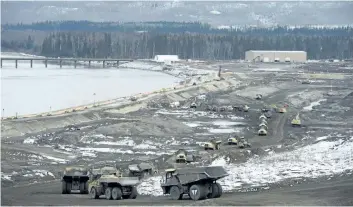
(28, 90)
(323, 158)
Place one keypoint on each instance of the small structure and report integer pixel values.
(167, 59)
(275, 56)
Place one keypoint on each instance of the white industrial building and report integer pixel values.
(275, 56)
(168, 59)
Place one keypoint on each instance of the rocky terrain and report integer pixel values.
(317, 155)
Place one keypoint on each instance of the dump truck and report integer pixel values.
(133, 98)
(282, 110)
(263, 117)
(263, 125)
(141, 170)
(212, 145)
(262, 131)
(296, 121)
(182, 156)
(113, 187)
(246, 108)
(193, 105)
(75, 178)
(307, 81)
(199, 183)
(258, 97)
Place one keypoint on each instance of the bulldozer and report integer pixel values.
(296, 121)
(212, 145)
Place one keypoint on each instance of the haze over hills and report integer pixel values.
(215, 13)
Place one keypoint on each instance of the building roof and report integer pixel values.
(276, 51)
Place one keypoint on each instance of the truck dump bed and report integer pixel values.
(189, 175)
(124, 181)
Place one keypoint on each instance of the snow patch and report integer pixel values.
(223, 131)
(319, 159)
(316, 103)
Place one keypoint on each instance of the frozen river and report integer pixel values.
(28, 90)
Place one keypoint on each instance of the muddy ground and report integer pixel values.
(152, 131)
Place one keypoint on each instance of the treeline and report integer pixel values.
(172, 27)
(194, 46)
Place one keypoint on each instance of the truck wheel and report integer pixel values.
(63, 187)
(220, 190)
(68, 187)
(108, 193)
(86, 188)
(175, 193)
(134, 193)
(93, 193)
(215, 191)
(82, 187)
(197, 192)
(117, 193)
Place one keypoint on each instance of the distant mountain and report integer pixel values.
(216, 13)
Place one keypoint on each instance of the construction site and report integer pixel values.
(282, 133)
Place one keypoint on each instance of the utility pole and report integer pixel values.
(219, 71)
(94, 99)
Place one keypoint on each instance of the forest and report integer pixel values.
(320, 43)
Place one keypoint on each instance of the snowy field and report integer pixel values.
(323, 158)
(28, 90)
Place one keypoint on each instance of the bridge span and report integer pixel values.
(60, 61)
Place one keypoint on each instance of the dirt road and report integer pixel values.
(337, 191)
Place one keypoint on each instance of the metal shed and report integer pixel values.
(275, 56)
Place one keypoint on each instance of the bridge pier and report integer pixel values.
(16, 63)
(1, 63)
(103, 63)
(89, 64)
(31, 63)
(75, 63)
(61, 63)
(46, 63)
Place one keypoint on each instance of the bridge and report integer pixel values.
(61, 60)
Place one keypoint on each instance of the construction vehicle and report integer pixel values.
(133, 98)
(243, 143)
(141, 170)
(258, 97)
(232, 141)
(282, 110)
(296, 121)
(262, 132)
(246, 108)
(113, 187)
(268, 114)
(307, 81)
(222, 109)
(212, 145)
(237, 108)
(263, 125)
(182, 156)
(75, 178)
(262, 117)
(199, 183)
(193, 105)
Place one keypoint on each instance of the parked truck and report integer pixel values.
(75, 178)
(199, 183)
